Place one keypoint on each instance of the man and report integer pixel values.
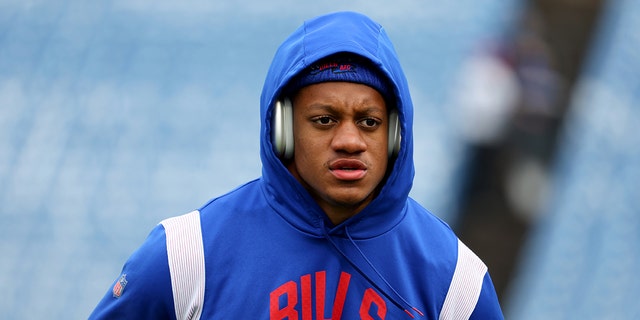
(328, 231)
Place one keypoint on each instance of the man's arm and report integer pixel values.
(487, 307)
(143, 288)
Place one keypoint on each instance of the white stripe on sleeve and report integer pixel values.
(185, 251)
(465, 286)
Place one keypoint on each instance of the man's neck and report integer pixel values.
(338, 214)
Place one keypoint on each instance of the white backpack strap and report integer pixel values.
(185, 251)
(465, 286)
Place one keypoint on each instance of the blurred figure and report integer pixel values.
(507, 105)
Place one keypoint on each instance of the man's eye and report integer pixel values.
(323, 120)
(370, 122)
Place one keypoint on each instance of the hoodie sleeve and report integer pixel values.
(487, 307)
(143, 288)
(471, 294)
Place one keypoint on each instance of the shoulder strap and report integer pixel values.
(185, 251)
(465, 286)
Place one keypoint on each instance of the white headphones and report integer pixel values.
(282, 130)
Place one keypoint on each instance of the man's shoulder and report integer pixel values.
(422, 217)
(432, 233)
(247, 196)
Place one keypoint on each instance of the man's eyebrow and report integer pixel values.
(373, 110)
(320, 107)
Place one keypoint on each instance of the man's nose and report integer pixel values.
(348, 138)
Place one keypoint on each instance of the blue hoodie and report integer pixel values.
(267, 251)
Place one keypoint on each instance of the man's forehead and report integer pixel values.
(334, 96)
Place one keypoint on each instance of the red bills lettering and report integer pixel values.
(289, 290)
(370, 298)
(284, 304)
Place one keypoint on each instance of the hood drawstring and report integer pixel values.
(398, 301)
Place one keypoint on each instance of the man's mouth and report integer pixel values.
(348, 169)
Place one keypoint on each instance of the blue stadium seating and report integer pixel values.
(583, 258)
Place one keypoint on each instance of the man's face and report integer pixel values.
(340, 131)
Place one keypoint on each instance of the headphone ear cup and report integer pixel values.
(394, 134)
(282, 128)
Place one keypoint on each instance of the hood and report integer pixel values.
(315, 39)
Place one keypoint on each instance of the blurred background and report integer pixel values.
(117, 114)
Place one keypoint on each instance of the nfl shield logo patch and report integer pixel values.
(118, 288)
